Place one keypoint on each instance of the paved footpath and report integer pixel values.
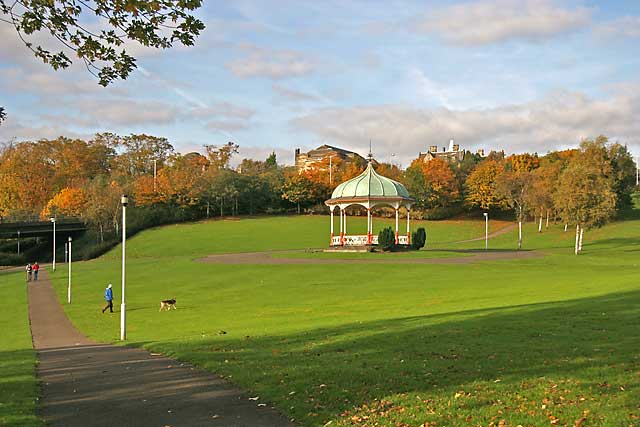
(89, 384)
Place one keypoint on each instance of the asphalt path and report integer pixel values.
(84, 383)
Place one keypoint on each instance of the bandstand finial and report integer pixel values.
(370, 155)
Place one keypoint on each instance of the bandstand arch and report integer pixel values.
(369, 190)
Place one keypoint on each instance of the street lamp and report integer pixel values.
(69, 286)
(18, 242)
(123, 317)
(53, 220)
(486, 230)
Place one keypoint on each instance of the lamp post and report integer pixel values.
(155, 187)
(18, 242)
(486, 230)
(123, 315)
(69, 286)
(53, 264)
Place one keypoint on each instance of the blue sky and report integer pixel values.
(518, 75)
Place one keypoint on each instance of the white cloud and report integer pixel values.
(625, 27)
(486, 22)
(558, 120)
(271, 63)
(294, 95)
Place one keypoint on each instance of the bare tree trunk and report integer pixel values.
(101, 233)
(577, 238)
(298, 208)
(221, 206)
(565, 227)
(580, 242)
(540, 225)
(519, 234)
(547, 218)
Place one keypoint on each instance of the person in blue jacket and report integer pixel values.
(108, 295)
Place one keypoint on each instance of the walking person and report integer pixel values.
(36, 268)
(108, 295)
(29, 269)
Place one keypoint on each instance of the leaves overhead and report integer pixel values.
(96, 32)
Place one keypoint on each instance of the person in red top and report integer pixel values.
(35, 267)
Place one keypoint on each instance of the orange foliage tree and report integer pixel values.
(441, 182)
(69, 201)
(481, 186)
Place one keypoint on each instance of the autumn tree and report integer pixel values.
(481, 186)
(543, 187)
(585, 193)
(298, 189)
(103, 205)
(137, 154)
(441, 183)
(69, 202)
(513, 186)
(220, 157)
(102, 47)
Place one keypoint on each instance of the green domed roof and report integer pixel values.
(370, 184)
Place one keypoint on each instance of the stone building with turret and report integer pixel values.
(452, 153)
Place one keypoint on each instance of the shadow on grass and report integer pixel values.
(18, 389)
(565, 357)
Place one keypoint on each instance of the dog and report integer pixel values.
(168, 304)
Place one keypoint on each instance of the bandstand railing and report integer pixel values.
(362, 240)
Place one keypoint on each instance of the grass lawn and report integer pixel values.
(543, 341)
(18, 387)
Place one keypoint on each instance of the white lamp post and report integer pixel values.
(53, 264)
(486, 230)
(18, 242)
(69, 286)
(123, 315)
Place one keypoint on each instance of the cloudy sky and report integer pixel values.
(518, 75)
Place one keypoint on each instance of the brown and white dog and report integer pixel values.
(168, 303)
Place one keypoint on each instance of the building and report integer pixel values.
(305, 161)
(452, 153)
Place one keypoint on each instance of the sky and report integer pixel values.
(512, 75)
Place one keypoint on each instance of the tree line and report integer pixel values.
(583, 187)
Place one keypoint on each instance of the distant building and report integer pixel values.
(305, 161)
(452, 153)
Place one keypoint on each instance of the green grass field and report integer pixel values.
(545, 341)
(18, 388)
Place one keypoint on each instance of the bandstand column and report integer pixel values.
(369, 226)
(408, 228)
(341, 228)
(331, 215)
(397, 240)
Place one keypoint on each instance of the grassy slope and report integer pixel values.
(18, 387)
(524, 341)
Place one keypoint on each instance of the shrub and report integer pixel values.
(12, 259)
(419, 238)
(386, 238)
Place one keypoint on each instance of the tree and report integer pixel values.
(69, 201)
(514, 186)
(137, 154)
(219, 158)
(297, 189)
(481, 186)
(271, 161)
(103, 204)
(441, 183)
(585, 192)
(3, 115)
(543, 185)
(102, 46)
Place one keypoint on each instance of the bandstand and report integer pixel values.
(369, 189)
